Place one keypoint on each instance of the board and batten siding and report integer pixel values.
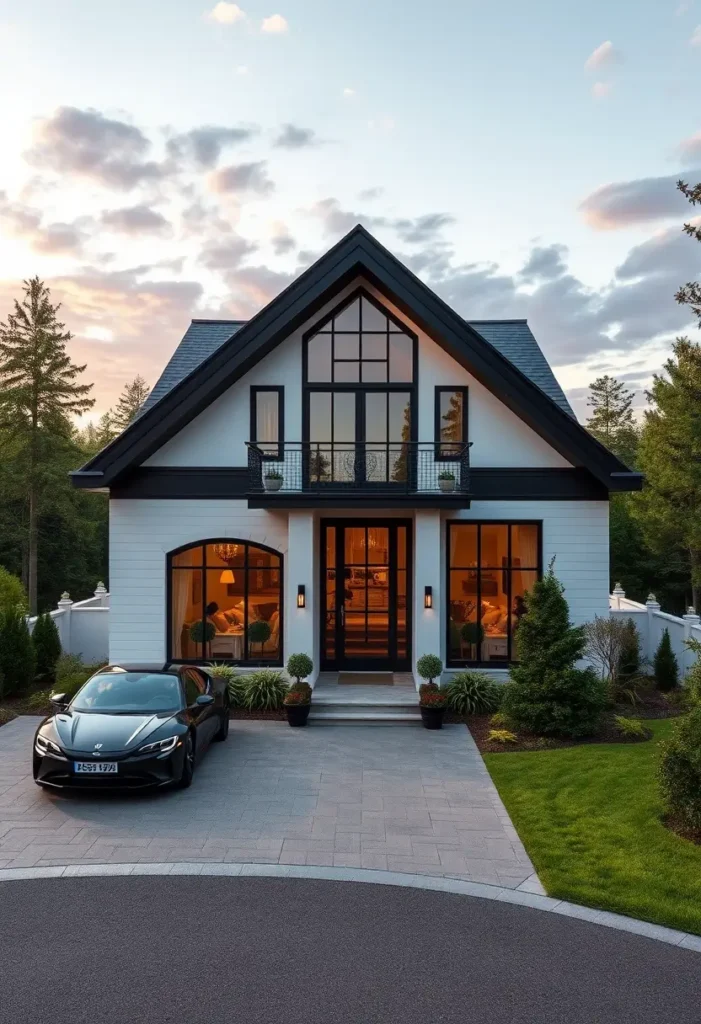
(142, 532)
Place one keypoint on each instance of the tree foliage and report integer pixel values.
(666, 667)
(12, 593)
(690, 293)
(47, 645)
(611, 421)
(17, 655)
(130, 401)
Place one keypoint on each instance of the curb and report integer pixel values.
(516, 897)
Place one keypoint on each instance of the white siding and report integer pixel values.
(142, 532)
(217, 436)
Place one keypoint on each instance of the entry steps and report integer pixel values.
(366, 710)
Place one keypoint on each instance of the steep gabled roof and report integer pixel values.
(357, 254)
(513, 338)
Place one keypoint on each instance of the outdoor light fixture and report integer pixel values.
(301, 596)
(428, 597)
(227, 577)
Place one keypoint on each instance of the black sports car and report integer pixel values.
(131, 728)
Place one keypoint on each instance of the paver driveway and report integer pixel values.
(384, 797)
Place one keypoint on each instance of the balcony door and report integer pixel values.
(359, 437)
(366, 595)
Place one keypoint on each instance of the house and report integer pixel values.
(357, 473)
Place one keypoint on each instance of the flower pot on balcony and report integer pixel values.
(272, 483)
(446, 484)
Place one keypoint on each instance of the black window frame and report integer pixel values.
(478, 570)
(440, 456)
(278, 389)
(246, 568)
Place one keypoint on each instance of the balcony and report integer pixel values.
(299, 474)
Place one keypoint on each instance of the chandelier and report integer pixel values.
(227, 552)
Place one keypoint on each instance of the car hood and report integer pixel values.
(79, 730)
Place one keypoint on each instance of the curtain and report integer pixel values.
(267, 416)
(181, 597)
(524, 553)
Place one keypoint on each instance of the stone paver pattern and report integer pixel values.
(391, 798)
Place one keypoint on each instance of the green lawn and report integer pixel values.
(589, 817)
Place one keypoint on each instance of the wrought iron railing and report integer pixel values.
(403, 467)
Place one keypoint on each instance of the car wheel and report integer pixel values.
(188, 771)
(223, 730)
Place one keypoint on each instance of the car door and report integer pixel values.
(201, 716)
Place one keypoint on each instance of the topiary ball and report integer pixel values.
(259, 632)
(202, 632)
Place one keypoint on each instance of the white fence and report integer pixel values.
(83, 626)
(651, 623)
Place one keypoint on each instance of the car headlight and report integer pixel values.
(43, 746)
(160, 746)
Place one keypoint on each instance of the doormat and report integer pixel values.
(373, 678)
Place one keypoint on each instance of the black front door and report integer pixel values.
(366, 595)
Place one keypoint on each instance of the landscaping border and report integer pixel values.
(518, 897)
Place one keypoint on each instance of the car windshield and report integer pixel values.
(129, 691)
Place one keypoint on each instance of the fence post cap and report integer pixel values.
(619, 591)
(100, 588)
(65, 598)
(691, 613)
(652, 600)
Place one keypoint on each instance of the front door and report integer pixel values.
(366, 595)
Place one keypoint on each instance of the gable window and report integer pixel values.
(491, 566)
(225, 603)
(360, 344)
(267, 420)
(450, 421)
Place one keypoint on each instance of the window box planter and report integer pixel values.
(272, 482)
(446, 482)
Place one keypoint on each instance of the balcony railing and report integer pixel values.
(401, 468)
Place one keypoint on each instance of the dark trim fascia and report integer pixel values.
(346, 499)
(358, 254)
(535, 485)
(163, 482)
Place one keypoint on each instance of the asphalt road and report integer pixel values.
(294, 951)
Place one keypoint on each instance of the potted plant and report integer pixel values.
(272, 480)
(472, 633)
(299, 666)
(429, 667)
(432, 704)
(202, 632)
(446, 481)
(259, 632)
(297, 703)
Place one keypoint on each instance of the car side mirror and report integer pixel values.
(58, 700)
(204, 700)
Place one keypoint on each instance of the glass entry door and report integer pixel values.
(366, 595)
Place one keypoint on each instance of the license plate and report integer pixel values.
(95, 767)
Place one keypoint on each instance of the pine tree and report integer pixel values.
(547, 694)
(629, 660)
(17, 655)
(39, 391)
(612, 420)
(690, 293)
(47, 645)
(669, 507)
(665, 664)
(130, 401)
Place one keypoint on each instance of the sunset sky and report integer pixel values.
(164, 160)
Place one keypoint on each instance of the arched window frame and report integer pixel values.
(246, 568)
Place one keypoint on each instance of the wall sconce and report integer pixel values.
(301, 596)
(428, 597)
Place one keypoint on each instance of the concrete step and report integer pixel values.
(367, 716)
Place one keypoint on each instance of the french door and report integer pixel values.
(359, 437)
(366, 595)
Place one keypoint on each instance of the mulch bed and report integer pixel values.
(265, 716)
(479, 728)
(681, 829)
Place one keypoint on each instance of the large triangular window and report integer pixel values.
(360, 343)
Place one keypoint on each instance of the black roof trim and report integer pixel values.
(358, 253)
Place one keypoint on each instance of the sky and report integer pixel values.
(167, 160)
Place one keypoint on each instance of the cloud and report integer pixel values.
(545, 263)
(86, 143)
(422, 229)
(413, 231)
(251, 288)
(227, 255)
(623, 203)
(604, 56)
(136, 220)
(249, 177)
(226, 14)
(204, 145)
(690, 149)
(368, 194)
(294, 137)
(348, 91)
(282, 241)
(696, 37)
(600, 90)
(275, 24)
(18, 220)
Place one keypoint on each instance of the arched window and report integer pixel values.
(225, 603)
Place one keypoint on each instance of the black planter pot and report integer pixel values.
(297, 714)
(432, 718)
